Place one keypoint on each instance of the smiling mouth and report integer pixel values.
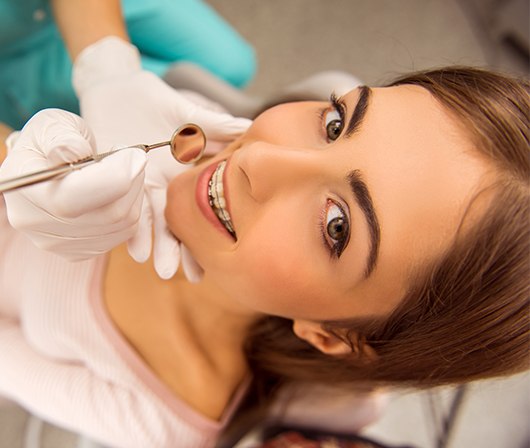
(217, 200)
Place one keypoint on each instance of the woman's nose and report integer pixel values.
(272, 169)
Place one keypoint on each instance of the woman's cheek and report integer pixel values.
(269, 272)
(179, 195)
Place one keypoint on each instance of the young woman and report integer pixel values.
(378, 239)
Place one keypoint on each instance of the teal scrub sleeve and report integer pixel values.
(168, 31)
(20, 20)
(35, 69)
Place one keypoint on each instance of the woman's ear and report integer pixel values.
(319, 338)
(330, 344)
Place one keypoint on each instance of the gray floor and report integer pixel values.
(377, 40)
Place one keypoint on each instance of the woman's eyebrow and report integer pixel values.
(364, 201)
(359, 112)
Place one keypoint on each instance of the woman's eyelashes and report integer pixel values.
(335, 228)
(333, 119)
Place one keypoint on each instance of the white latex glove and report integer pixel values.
(85, 213)
(125, 105)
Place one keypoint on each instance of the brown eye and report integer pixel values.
(337, 228)
(334, 125)
(334, 129)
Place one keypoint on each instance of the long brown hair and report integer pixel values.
(466, 315)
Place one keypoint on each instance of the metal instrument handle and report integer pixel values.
(44, 175)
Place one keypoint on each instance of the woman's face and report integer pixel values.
(332, 206)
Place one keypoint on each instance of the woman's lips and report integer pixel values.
(202, 199)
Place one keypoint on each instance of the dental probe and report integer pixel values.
(187, 146)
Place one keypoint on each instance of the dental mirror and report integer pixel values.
(187, 146)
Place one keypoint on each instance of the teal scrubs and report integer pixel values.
(35, 69)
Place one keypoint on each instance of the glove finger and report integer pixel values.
(60, 136)
(166, 253)
(78, 249)
(51, 137)
(11, 140)
(92, 187)
(221, 127)
(192, 270)
(139, 246)
(22, 161)
(166, 247)
(113, 218)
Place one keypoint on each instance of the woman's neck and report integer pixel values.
(203, 308)
(181, 330)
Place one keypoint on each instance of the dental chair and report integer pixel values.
(317, 87)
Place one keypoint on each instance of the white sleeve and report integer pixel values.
(68, 393)
(9, 281)
(5, 227)
(71, 396)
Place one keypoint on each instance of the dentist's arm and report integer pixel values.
(84, 22)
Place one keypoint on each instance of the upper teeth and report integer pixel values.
(217, 199)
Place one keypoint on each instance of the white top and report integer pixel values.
(62, 358)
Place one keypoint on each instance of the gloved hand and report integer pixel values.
(88, 211)
(125, 105)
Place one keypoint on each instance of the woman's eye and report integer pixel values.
(334, 124)
(334, 118)
(337, 228)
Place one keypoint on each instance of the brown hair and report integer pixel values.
(467, 314)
